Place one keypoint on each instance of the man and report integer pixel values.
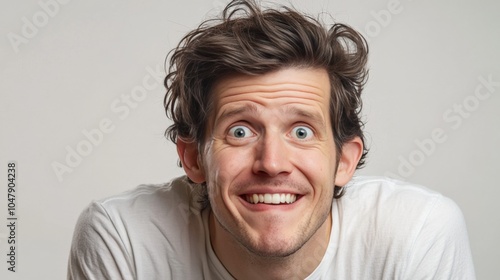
(265, 107)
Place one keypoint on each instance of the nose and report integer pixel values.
(272, 157)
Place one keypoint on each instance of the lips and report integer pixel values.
(271, 198)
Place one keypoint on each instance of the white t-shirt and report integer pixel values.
(381, 229)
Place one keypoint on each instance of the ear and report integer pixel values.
(349, 158)
(189, 156)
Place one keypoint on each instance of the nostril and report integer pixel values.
(272, 156)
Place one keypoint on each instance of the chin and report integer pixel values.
(274, 248)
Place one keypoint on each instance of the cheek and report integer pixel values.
(223, 168)
(232, 159)
(316, 165)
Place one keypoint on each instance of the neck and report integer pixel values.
(243, 264)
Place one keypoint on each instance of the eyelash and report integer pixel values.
(234, 129)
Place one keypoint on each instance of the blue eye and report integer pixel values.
(302, 132)
(240, 132)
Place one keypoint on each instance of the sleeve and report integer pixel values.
(441, 248)
(97, 250)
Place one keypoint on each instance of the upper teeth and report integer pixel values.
(271, 198)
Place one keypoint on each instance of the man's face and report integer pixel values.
(269, 159)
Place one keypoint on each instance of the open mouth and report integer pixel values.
(271, 198)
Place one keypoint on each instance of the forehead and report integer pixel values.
(309, 87)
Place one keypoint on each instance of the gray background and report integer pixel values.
(67, 66)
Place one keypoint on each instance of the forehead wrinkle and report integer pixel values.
(313, 115)
(277, 87)
(292, 105)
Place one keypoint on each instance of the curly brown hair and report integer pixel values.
(254, 41)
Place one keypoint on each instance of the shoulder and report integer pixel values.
(361, 186)
(144, 204)
(397, 203)
(395, 212)
(381, 195)
(177, 189)
(407, 228)
(145, 209)
(149, 224)
(408, 204)
(173, 196)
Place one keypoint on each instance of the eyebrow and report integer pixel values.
(247, 108)
(314, 116)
